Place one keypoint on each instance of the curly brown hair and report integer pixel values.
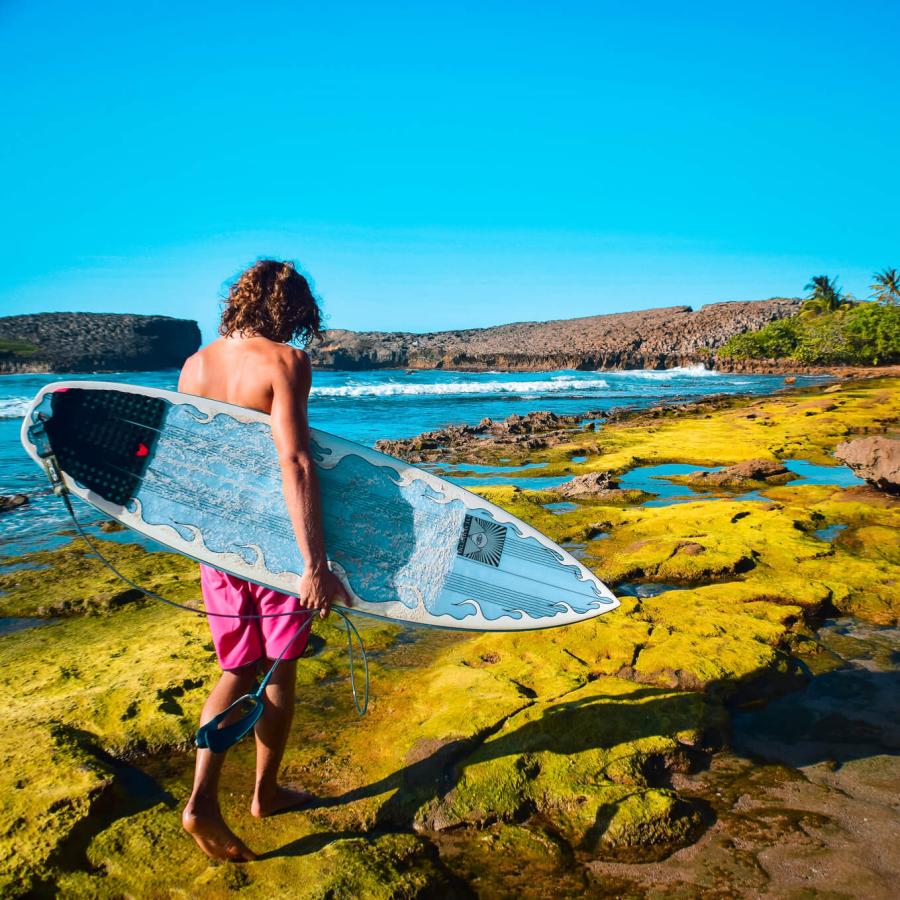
(274, 300)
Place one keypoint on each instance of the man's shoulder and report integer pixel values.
(292, 356)
(292, 362)
(189, 369)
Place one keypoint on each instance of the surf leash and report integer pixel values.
(213, 735)
(351, 630)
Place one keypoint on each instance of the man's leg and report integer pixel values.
(202, 817)
(272, 732)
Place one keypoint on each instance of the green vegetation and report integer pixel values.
(825, 295)
(886, 286)
(861, 334)
(831, 328)
(17, 348)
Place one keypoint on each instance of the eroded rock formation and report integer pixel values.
(646, 339)
(877, 459)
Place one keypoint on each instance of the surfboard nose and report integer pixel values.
(101, 438)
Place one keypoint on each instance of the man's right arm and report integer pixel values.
(290, 431)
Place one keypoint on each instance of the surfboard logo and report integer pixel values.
(481, 540)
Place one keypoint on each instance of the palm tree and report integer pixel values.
(886, 288)
(825, 295)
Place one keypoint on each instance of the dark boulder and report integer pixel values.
(12, 501)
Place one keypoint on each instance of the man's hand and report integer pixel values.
(319, 588)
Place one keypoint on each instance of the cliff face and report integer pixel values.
(94, 342)
(647, 339)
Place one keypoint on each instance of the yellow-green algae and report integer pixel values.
(568, 736)
(807, 423)
(381, 867)
(71, 580)
(586, 763)
(82, 689)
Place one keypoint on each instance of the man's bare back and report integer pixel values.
(240, 370)
(259, 373)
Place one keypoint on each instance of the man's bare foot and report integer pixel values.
(214, 837)
(282, 799)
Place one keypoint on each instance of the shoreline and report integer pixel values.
(775, 367)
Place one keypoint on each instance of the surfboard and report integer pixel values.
(202, 478)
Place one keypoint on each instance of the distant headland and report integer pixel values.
(825, 332)
(646, 339)
(94, 342)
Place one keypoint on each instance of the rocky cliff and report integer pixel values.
(94, 342)
(647, 339)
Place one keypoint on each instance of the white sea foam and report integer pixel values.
(697, 371)
(524, 388)
(13, 407)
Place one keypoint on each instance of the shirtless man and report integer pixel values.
(252, 365)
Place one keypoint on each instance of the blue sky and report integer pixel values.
(444, 165)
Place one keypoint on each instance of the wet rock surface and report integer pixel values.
(743, 475)
(805, 803)
(849, 709)
(12, 501)
(590, 484)
(532, 431)
(111, 526)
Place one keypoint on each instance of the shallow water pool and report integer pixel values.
(810, 473)
(562, 507)
(643, 590)
(12, 624)
(829, 533)
(653, 480)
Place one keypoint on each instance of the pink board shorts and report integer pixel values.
(240, 642)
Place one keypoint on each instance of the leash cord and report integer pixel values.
(348, 625)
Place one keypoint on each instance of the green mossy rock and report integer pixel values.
(647, 825)
(588, 763)
(85, 691)
(805, 424)
(506, 752)
(72, 581)
(127, 860)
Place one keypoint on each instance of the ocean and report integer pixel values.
(366, 406)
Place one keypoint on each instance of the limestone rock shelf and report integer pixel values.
(647, 339)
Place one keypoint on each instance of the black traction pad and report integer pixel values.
(104, 439)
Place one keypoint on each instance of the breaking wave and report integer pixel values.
(522, 388)
(697, 371)
(14, 407)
